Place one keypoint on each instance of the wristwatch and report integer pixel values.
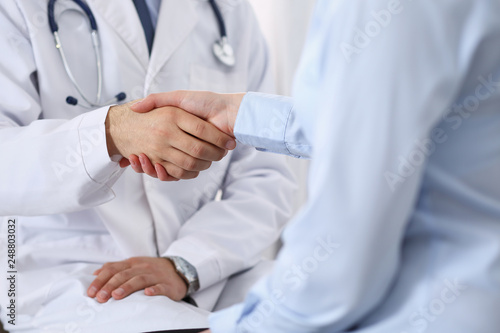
(187, 272)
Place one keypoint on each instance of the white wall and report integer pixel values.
(285, 24)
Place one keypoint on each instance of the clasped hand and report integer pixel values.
(188, 132)
(166, 142)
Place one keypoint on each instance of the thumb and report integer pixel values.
(155, 101)
(162, 289)
(145, 105)
(157, 290)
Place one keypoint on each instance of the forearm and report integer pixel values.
(55, 166)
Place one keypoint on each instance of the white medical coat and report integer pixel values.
(76, 209)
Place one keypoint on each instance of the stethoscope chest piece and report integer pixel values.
(224, 52)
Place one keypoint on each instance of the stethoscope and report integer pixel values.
(221, 49)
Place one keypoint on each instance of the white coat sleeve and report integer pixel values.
(47, 166)
(227, 236)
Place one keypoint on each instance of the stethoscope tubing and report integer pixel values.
(95, 45)
(222, 50)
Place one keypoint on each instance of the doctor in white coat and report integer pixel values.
(74, 208)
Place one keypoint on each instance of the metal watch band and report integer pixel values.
(187, 272)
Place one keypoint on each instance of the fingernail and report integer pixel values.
(102, 294)
(92, 291)
(151, 291)
(231, 145)
(119, 292)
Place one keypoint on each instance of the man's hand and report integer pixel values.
(120, 279)
(178, 144)
(220, 110)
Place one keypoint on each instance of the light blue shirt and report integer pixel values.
(401, 234)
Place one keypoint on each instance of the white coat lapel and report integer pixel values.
(176, 21)
(123, 18)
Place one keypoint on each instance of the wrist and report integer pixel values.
(232, 110)
(112, 130)
(187, 273)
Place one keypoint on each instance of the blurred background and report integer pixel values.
(285, 25)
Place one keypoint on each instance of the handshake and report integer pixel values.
(174, 135)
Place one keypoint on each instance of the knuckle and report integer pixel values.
(198, 150)
(98, 282)
(190, 164)
(174, 171)
(220, 155)
(181, 174)
(220, 141)
(199, 129)
(108, 267)
(143, 279)
(119, 277)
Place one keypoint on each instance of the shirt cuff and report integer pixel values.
(262, 122)
(92, 138)
(226, 321)
(202, 257)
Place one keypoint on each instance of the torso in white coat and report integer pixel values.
(74, 210)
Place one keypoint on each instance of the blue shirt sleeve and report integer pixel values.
(403, 191)
(269, 123)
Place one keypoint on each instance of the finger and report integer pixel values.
(135, 283)
(106, 273)
(163, 175)
(155, 101)
(124, 163)
(162, 290)
(179, 173)
(97, 271)
(205, 132)
(135, 163)
(115, 286)
(187, 162)
(171, 169)
(198, 149)
(147, 166)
